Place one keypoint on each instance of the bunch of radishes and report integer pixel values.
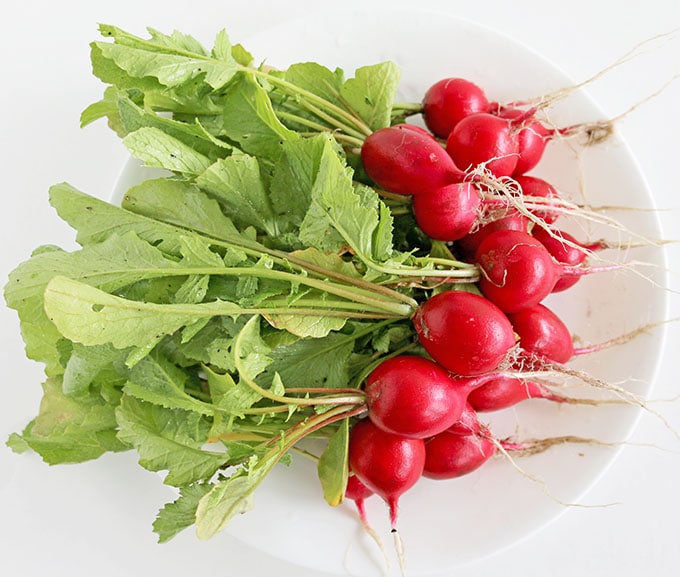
(422, 412)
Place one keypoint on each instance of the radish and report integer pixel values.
(449, 455)
(517, 270)
(506, 391)
(358, 492)
(386, 463)
(448, 213)
(484, 138)
(566, 250)
(468, 422)
(466, 247)
(450, 100)
(542, 333)
(464, 332)
(532, 137)
(404, 160)
(413, 396)
(538, 187)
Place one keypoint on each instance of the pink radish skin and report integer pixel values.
(387, 464)
(480, 341)
(538, 187)
(532, 137)
(506, 391)
(517, 270)
(566, 250)
(450, 455)
(542, 333)
(450, 100)
(484, 138)
(358, 492)
(448, 213)
(468, 423)
(404, 160)
(413, 396)
(466, 247)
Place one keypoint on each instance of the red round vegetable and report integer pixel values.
(538, 187)
(448, 213)
(517, 270)
(541, 332)
(407, 161)
(413, 396)
(450, 455)
(386, 463)
(450, 100)
(464, 332)
(484, 138)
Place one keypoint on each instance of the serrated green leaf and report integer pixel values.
(156, 380)
(249, 119)
(71, 429)
(180, 203)
(236, 183)
(160, 59)
(372, 92)
(93, 317)
(231, 497)
(156, 148)
(180, 514)
(168, 440)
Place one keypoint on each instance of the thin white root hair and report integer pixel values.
(541, 482)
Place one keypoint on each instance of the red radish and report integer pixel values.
(542, 333)
(466, 247)
(386, 463)
(358, 492)
(532, 137)
(450, 100)
(464, 332)
(538, 187)
(413, 396)
(517, 270)
(449, 455)
(484, 138)
(407, 161)
(468, 422)
(506, 391)
(448, 213)
(566, 250)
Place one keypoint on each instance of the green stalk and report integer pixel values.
(311, 98)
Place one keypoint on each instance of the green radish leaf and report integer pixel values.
(333, 465)
(180, 514)
(248, 118)
(372, 92)
(169, 440)
(232, 496)
(156, 380)
(71, 429)
(321, 362)
(156, 148)
(180, 203)
(85, 314)
(317, 79)
(167, 59)
(306, 325)
(236, 183)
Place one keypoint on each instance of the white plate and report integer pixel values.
(445, 524)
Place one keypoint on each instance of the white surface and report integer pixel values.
(78, 520)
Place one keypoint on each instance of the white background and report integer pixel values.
(68, 520)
